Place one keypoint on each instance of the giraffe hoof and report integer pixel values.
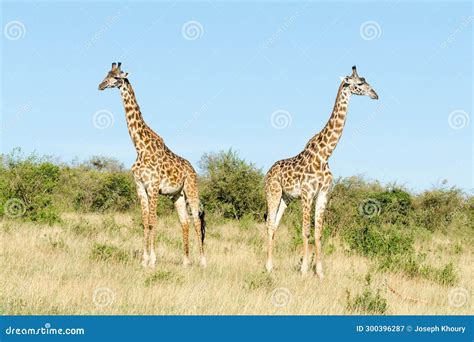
(186, 262)
(319, 271)
(145, 260)
(203, 262)
(152, 261)
(269, 266)
(304, 269)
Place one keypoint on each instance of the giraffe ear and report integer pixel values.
(344, 79)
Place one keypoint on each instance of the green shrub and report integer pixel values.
(116, 192)
(230, 186)
(258, 280)
(413, 267)
(346, 202)
(372, 240)
(160, 277)
(446, 275)
(468, 209)
(82, 228)
(98, 191)
(395, 206)
(435, 208)
(27, 185)
(104, 252)
(246, 222)
(368, 302)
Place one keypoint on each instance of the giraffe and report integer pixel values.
(307, 175)
(157, 170)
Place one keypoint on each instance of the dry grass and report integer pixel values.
(51, 270)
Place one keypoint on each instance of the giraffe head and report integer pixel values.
(115, 77)
(358, 86)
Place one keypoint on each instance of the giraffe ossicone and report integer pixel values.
(307, 175)
(157, 170)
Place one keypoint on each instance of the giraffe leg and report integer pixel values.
(281, 209)
(306, 204)
(192, 197)
(199, 234)
(152, 204)
(180, 206)
(318, 225)
(274, 202)
(143, 197)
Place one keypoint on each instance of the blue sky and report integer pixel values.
(218, 89)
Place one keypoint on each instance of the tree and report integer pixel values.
(231, 186)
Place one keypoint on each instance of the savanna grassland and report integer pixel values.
(71, 237)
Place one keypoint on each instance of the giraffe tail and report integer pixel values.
(202, 215)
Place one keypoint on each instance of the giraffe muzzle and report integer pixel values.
(373, 95)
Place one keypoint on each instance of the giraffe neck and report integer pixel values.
(323, 144)
(136, 124)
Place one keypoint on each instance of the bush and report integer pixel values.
(104, 252)
(101, 191)
(412, 266)
(230, 186)
(367, 302)
(160, 277)
(261, 280)
(435, 208)
(27, 185)
(372, 240)
(116, 192)
(346, 202)
(395, 206)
